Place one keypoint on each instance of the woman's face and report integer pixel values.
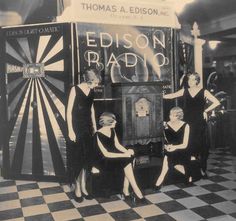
(113, 124)
(174, 116)
(94, 83)
(192, 82)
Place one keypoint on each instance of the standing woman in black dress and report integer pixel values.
(196, 114)
(81, 127)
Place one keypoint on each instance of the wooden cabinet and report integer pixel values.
(141, 112)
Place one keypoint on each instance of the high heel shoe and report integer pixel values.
(87, 197)
(136, 200)
(157, 188)
(78, 199)
(125, 197)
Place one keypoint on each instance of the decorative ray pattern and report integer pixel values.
(36, 107)
(43, 41)
(48, 168)
(15, 133)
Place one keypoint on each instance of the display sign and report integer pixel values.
(38, 76)
(139, 12)
(125, 53)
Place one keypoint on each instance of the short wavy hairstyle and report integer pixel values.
(196, 75)
(90, 75)
(178, 111)
(106, 119)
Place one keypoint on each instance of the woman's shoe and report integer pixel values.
(136, 200)
(157, 188)
(78, 199)
(87, 197)
(125, 197)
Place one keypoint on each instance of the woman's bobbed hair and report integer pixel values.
(90, 75)
(179, 112)
(106, 119)
(196, 75)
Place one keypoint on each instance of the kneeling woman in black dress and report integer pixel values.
(176, 152)
(110, 150)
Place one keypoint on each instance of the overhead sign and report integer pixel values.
(145, 13)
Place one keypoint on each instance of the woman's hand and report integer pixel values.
(72, 135)
(205, 116)
(170, 148)
(131, 151)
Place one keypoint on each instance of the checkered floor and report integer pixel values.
(210, 199)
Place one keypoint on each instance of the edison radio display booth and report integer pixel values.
(134, 49)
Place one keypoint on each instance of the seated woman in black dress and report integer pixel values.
(110, 150)
(176, 152)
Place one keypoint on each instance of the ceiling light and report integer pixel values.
(213, 44)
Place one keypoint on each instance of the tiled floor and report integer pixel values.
(210, 199)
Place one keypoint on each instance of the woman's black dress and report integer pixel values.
(80, 152)
(193, 114)
(105, 163)
(177, 157)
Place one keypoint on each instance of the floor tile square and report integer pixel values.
(103, 217)
(55, 197)
(108, 199)
(22, 182)
(35, 210)
(115, 206)
(125, 215)
(32, 201)
(41, 217)
(211, 198)
(191, 202)
(43, 185)
(196, 190)
(230, 176)
(214, 187)
(85, 203)
(217, 178)
(63, 205)
(186, 215)
(17, 219)
(8, 189)
(7, 183)
(8, 196)
(29, 186)
(148, 211)
(52, 190)
(91, 210)
(228, 184)
(29, 193)
(177, 194)
(203, 182)
(207, 211)
(158, 198)
(65, 215)
(10, 204)
(227, 194)
(222, 218)
(226, 207)
(171, 206)
(169, 188)
(11, 214)
(163, 217)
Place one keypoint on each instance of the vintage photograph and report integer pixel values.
(117, 110)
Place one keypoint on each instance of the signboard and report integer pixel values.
(37, 75)
(124, 53)
(138, 12)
